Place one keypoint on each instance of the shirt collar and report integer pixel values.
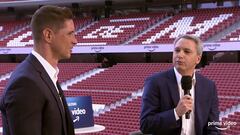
(51, 71)
(179, 77)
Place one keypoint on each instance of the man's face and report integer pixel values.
(185, 56)
(64, 40)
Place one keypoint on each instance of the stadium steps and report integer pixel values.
(85, 27)
(119, 103)
(5, 76)
(231, 110)
(224, 33)
(79, 78)
(147, 30)
(15, 32)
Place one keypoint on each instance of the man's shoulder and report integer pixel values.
(23, 70)
(161, 75)
(203, 78)
(23, 67)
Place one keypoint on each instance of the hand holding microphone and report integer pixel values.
(184, 105)
(186, 102)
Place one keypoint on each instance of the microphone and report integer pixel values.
(186, 83)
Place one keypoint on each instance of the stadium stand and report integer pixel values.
(233, 36)
(226, 76)
(194, 22)
(5, 71)
(117, 29)
(7, 67)
(146, 27)
(19, 34)
(122, 120)
(68, 71)
(121, 77)
(8, 27)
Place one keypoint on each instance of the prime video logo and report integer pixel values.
(78, 111)
(222, 125)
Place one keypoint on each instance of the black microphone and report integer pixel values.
(186, 83)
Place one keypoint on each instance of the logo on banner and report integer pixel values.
(81, 110)
(212, 47)
(4, 51)
(150, 48)
(97, 49)
(76, 112)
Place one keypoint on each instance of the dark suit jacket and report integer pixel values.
(31, 105)
(161, 96)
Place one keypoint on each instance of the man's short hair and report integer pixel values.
(199, 45)
(52, 17)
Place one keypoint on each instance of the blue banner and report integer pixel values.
(81, 110)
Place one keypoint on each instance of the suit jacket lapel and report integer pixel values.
(173, 87)
(52, 87)
(67, 112)
(45, 77)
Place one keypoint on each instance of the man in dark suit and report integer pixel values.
(33, 102)
(163, 103)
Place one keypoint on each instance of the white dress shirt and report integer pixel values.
(188, 125)
(51, 71)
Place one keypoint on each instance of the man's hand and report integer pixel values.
(184, 105)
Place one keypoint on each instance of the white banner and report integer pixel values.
(217, 46)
